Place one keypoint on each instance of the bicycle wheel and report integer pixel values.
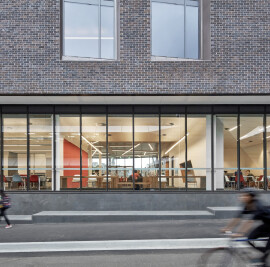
(220, 257)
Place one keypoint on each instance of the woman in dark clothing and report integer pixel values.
(4, 204)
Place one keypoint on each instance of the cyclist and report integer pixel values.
(257, 212)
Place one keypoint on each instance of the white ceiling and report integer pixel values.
(114, 100)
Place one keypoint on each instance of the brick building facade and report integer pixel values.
(31, 54)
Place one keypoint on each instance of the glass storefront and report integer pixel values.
(133, 151)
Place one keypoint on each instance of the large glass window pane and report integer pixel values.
(15, 152)
(94, 152)
(251, 151)
(175, 28)
(192, 32)
(198, 152)
(107, 32)
(167, 30)
(172, 152)
(146, 152)
(81, 30)
(268, 149)
(41, 151)
(225, 143)
(120, 151)
(67, 130)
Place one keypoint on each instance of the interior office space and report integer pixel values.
(139, 148)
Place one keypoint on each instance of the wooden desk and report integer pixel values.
(130, 184)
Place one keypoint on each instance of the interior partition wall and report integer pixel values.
(134, 148)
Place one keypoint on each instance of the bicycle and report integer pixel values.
(231, 255)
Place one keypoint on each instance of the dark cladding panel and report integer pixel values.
(251, 109)
(93, 109)
(196, 109)
(117, 109)
(147, 109)
(41, 109)
(67, 109)
(225, 109)
(13, 109)
(172, 109)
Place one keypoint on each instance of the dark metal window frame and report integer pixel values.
(159, 110)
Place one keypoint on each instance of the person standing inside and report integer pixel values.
(4, 204)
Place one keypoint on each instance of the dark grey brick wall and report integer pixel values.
(30, 53)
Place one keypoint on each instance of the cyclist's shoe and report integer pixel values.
(257, 262)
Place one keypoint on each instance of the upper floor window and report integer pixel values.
(176, 28)
(89, 28)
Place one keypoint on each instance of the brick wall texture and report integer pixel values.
(30, 54)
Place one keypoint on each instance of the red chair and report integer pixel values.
(34, 179)
(242, 181)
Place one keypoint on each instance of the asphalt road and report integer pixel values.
(119, 259)
(112, 231)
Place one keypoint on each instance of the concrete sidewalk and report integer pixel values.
(182, 229)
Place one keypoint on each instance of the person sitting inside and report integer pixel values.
(242, 180)
(250, 178)
(137, 178)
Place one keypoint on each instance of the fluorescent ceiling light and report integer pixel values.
(173, 146)
(91, 144)
(130, 149)
(150, 147)
(233, 128)
(255, 131)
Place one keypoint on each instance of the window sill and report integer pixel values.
(87, 59)
(154, 58)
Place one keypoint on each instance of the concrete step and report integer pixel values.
(114, 216)
(19, 219)
(224, 212)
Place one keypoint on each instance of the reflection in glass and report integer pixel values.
(192, 32)
(225, 142)
(146, 152)
(175, 28)
(120, 164)
(107, 32)
(41, 151)
(81, 30)
(67, 130)
(251, 151)
(172, 152)
(167, 30)
(15, 152)
(198, 152)
(93, 152)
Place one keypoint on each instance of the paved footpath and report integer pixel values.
(112, 231)
(132, 244)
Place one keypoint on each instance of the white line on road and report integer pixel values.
(115, 245)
